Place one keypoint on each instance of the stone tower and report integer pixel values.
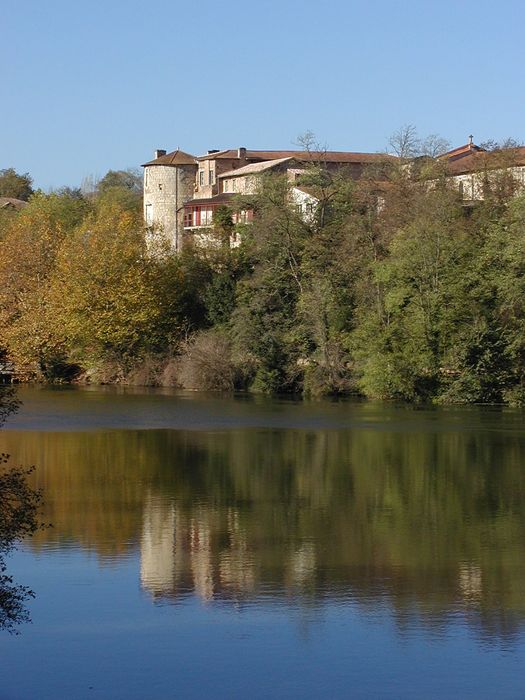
(169, 181)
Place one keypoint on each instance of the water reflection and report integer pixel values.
(17, 519)
(430, 523)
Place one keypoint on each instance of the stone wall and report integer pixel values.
(166, 188)
(471, 185)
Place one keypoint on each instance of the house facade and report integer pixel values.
(183, 192)
(471, 169)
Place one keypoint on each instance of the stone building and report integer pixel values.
(472, 170)
(169, 182)
(182, 192)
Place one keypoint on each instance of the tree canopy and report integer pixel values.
(12, 184)
(19, 518)
(392, 287)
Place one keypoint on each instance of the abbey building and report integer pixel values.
(183, 192)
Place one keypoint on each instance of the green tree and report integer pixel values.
(12, 184)
(29, 248)
(19, 518)
(263, 324)
(101, 288)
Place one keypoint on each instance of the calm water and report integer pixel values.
(233, 548)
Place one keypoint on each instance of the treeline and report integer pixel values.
(392, 289)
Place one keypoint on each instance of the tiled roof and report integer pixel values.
(323, 156)
(177, 157)
(6, 202)
(223, 198)
(254, 168)
(461, 152)
(227, 153)
(485, 160)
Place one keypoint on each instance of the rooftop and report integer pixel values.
(254, 168)
(323, 156)
(479, 159)
(223, 198)
(11, 202)
(177, 157)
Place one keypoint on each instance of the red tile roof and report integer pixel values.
(254, 168)
(461, 152)
(323, 156)
(177, 157)
(487, 160)
(11, 202)
(223, 198)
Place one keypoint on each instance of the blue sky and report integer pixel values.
(91, 86)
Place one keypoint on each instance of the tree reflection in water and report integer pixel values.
(19, 505)
(426, 521)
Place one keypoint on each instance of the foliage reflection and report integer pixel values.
(431, 523)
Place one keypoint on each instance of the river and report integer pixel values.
(208, 547)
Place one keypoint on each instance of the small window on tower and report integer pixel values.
(149, 214)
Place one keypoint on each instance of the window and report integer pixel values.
(206, 216)
(211, 177)
(201, 177)
(149, 214)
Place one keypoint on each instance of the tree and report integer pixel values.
(263, 324)
(495, 145)
(19, 518)
(30, 244)
(405, 142)
(129, 179)
(14, 185)
(403, 337)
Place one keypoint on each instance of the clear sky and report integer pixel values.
(89, 86)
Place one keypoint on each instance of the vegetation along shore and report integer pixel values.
(393, 288)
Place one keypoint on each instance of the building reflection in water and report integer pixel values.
(206, 552)
(178, 557)
(424, 523)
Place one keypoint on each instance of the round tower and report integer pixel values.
(169, 181)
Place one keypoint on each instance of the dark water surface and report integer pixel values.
(245, 548)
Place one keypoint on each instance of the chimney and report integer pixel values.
(213, 150)
(241, 153)
(160, 152)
